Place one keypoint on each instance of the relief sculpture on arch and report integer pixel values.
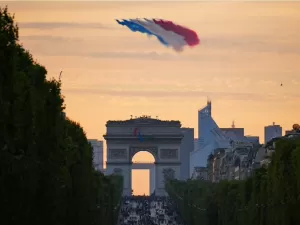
(168, 153)
(117, 153)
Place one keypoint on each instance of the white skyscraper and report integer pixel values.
(272, 131)
(209, 132)
(97, 153)
(210, 137)
(205, 124)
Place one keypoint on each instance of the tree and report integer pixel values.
(270, 197)
(46, 171)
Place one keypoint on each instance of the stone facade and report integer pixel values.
(200, 173)
(160, 138)
(169, 154)
(231, 164)
(117, 154)
(269, 148)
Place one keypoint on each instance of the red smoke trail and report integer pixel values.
(189, 35)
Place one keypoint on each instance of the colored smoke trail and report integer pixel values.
(174, 40)
(189, 35)
(134, 27)
(168, 33)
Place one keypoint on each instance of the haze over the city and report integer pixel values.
(109, 73)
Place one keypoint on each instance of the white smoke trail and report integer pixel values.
(176, 41)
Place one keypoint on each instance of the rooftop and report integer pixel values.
(144, 120)
(296, 134)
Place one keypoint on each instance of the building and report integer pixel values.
(238, 134)
(272, 131)
(97, 154)
(239, 161)
(210, 137)
(200, 173)
(289, 132)
(230, 164)
(269, 149)
(186, 147)
(222, 150)
(161, 138)
(237, 173)
(216, 164)
(253, 139)
(259, 157)
(205, 125)
(233, 132)
(210, 162)
(270, 146)
(196, 144)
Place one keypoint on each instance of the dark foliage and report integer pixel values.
(270, 197)
(46, 171)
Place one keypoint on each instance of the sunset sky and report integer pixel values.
(109, 73)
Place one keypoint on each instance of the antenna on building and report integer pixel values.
(233, 125)
(208, 100)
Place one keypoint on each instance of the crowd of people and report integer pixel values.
(148, 210)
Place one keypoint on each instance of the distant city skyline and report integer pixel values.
(247, 50)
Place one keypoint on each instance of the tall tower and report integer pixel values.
(210, 137)
(204, 121)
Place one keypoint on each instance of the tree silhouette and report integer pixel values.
(46, 171)
(269, 197)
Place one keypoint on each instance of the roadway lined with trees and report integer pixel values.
(46, 170)
(270, 197)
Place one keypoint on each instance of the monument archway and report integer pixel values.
(160, 138)
(143, 173)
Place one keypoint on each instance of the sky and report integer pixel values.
(109, 73)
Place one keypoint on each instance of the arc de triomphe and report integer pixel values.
(160, 138)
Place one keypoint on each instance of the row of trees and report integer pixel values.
(270, 197)
(46, 170)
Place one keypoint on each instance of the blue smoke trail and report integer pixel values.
(134, 27)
